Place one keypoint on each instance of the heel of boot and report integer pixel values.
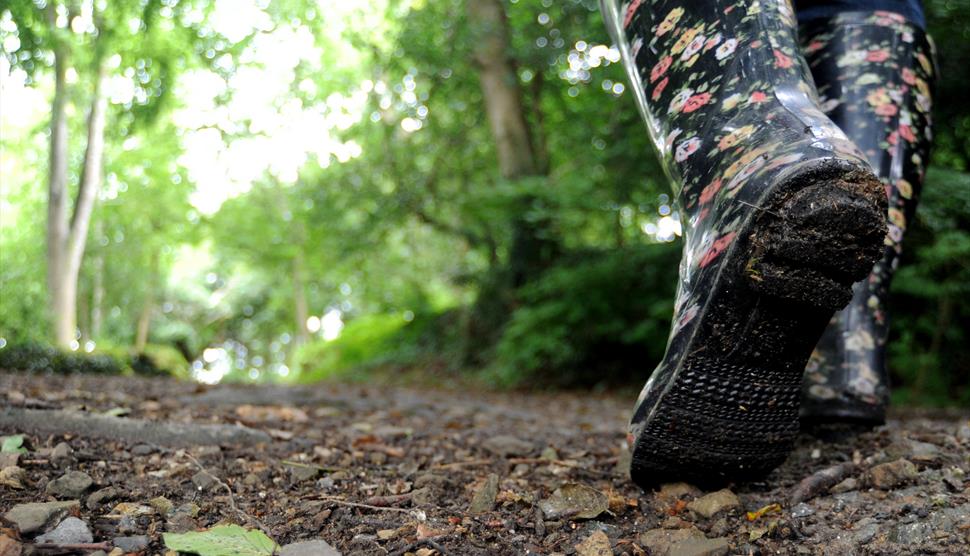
(823, 232)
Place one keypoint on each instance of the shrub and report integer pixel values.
(598, 317)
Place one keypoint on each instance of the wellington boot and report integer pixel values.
(875, 76)
(781, 216)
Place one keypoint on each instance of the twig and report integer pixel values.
(389, 500)
(326, 468)
(469, 463)
(359, 505)
(252, 521)
(74, 546)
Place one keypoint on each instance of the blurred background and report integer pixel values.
(297, 190)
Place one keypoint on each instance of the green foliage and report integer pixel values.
(588, 319)
(930, 306)
(223, 540)
(364, 342)
(12, 444)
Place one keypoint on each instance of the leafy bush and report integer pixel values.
(599, 317)
(32, 357)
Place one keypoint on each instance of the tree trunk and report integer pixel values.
(500, 87)
(67, 241)
(148, 306)
(300, 307)
(97, 293)
(57, 224)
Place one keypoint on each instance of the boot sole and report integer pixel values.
(730, 410)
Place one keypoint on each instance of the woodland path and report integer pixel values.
(388, 470)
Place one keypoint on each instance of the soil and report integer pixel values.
(393, 470)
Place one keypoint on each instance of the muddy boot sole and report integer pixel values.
(730, 410)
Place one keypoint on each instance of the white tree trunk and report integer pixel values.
(57, 225)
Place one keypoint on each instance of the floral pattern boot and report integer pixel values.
(782, 216)
(875, 75)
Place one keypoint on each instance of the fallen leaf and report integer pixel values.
(12, 444)
(225, 540)
(757, 514)
(576, 501)
(597, 544)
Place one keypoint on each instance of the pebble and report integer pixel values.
(676, 491)
(70, 531)
(72, 484)
(301, 473)
(660, 541)
(865, 531)
(34, 516)
(887, 476)
(142, 450)
(714, 503)
(204, 480)
(847, 485)
(101, 497)
(135, 543)
(700, 547)
(802, 510)
(309, 548)
(484, 498)
(61, 453)
(161, 505)
(597, 544)
(506, 445)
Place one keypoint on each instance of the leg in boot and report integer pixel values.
(875, 76)
(782, 215)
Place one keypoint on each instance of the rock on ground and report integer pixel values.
(70, 531)
(714, 503)
(309, 548)
(35, 516)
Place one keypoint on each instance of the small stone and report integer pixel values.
(623, 462)
(72, 484)
(597, 544)
(135, 543)
(13, 477)
(575, 501)
(9, 459)
(309, 548)
(61, 453)
(865, 532)
(35, 516)
(659, 541)
(386, 534)
(102, 496)
(677, 491)
(887, 476)
(484, 498)
(911, 534)
(802, 510)
(549, 453)
(505, 446)
(700, 547)
(301, 473)
(204, 480)
(714, 503)
(847, 485)
(142, 450)
(251, 479)
(70, 531)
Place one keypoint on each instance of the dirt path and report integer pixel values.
(396, 471)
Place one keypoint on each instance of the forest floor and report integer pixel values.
(392, 470)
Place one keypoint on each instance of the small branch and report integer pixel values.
(74, 546)
(430, 541)
(329, 469)
(559, 462)
(469, 463)
(251, 521)
(359, 505)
